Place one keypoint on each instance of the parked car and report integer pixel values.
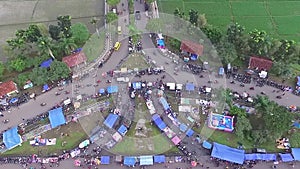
(137, 15)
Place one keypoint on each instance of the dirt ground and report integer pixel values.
(19, 14)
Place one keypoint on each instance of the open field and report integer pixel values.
(278, 18)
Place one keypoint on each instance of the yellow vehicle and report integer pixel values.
(119, 30)
(117, 45)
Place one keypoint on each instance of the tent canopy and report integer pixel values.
(122, 130)
(164, 102)
(46, 63)
(159, 159)
(101, 91)
(190, 87)
(221, 71)
(11, 138)
(111, 120)
(256, 156)
(112, 89)
(137, 85)
(298, 81)
(207, 145)
(296, 153)
(176, 140)
(189, 133)
(45, 87)
(227, 153)
(159, 122)
(56, 117)
(161, 43)
(183, 127)
(146, 160)
(129, 161)
(105, 159)
(286, 157)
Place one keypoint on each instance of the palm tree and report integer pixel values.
(45, 44)
(67, 45)
(134, 33)
(94, 21)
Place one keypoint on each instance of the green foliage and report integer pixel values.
(174, 44)
(260, 43)
(64, 22)
(226, 51)
(111, 16)
(23, 78)
(193, 17)
(242, 127)
(295, 139)
(213, 33)
(239, 112)
(17, 64)
(55, 32)
(178, 13)
(58, 70)
(65, 46)
(134, 33)
(2, 67)
(113, 2)
(39, 76)
(80, 33)
(45, 46)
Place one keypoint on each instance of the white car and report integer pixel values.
(123, 79)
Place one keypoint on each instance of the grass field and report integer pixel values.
(278, 18)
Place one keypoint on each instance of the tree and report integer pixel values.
(64, 22)
(282, 69)
(174, 44)
(212, 33)
(260, 43)
(226, 51)
(178, 13)
(2, 67)
(55, 32)
(23, 78)
(193, 17)
(262, 103)
(236, 111)
(113, 2)
(66, 45)
(111, 16)
(58, 70)
(33, 33)
(80, 33)
(286, 52)
(242, 127)
(45, 46)
(235, 33)
(39, 75)
(155, 25)
(260, 136)
(134, 33)
(202, 21)
(295, 139)
(17, 64)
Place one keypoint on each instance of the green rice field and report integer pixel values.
(280, 18)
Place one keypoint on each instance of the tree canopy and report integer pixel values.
(113, 2)
(80, 33)
(111, 16)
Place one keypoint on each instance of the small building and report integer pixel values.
(191, 49)
(75, 59)
(8, 88)
(260, 63)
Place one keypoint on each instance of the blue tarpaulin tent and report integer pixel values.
(13, 100)
(227, 153)
(105, 159)
(286, 157)
(46, 63)
(161, 43)
(296, 153)
(257, 156)
(158, 121)
(56, 117)
(137, 85)
(296, 124)
(164, 102)
(206, 145)
(101, 91)
(159, 159)
(298, 81)
(194, 57)
(45, 87)
(11, 138)
(111, 120)
(190, 87)
(129, 161)
(146, 160)
(183, 127)
(122, 130)
(221, 71)
(189, 133)
(112, 89)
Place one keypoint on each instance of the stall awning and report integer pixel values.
(136, 85)
(110, 120)
(159, 122)
(11, 138)
(257, 156)
(129, 161)
(112, 89)
(105, 159)
(189, 133)
(122, 130)
(286, 157)
(146, 160)
(227, 153)
(207, 145)
(190, 87)
(183, 127)
(159, 159)
(57, 117)
(176, 140)
(164, 102)
(296, 153)
(101, 91)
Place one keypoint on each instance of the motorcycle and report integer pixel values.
(43, 104)
(5, 121)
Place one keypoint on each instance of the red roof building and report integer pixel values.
(191, 47)
(74, 59)
(260, 63)
(8, 88)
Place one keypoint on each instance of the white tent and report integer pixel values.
(207, 89)
(263, 74)
(184, 108)
(179, 86)
(160, 36)
(171, 86)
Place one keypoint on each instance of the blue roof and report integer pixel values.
(183, 127)
(46, 63)
(137, 85)
(160, 42)
(122, 130)
(296, 153)
(207, 145)
(56, 117)
(110, 120)
(221, 71)
(159, 122)
(194, 57)
(129, 161)
(11, 138)
(286, 157)
(226, 153)
(45, 87)
(146, 160)
(164, 102)
(101, 91)
(105, 159)
(189, 133)
(13, 100)
(298, 81)
(190, 87)
(257, 156)
(160, 159)
(112, 89)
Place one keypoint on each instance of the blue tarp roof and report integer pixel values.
(146, 160)
(56, 117)
(257, 156)
(194, 57)
(137, 85)
(221, 71)
(286, 157)
(158, 121)
(183, 127)
(11, 138)
(101, 91)
(164, 102)
(13, 100)
(122, 130)
(296, 153)
(110, 120)
(112, 89)
(207, 145)
(189, 133)
(45, 87)
(227, 153)
(105, 159)
(190, 87)
(298, 81)
(46, 63)
(159, 159)
(160, 42)
(129, 161)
